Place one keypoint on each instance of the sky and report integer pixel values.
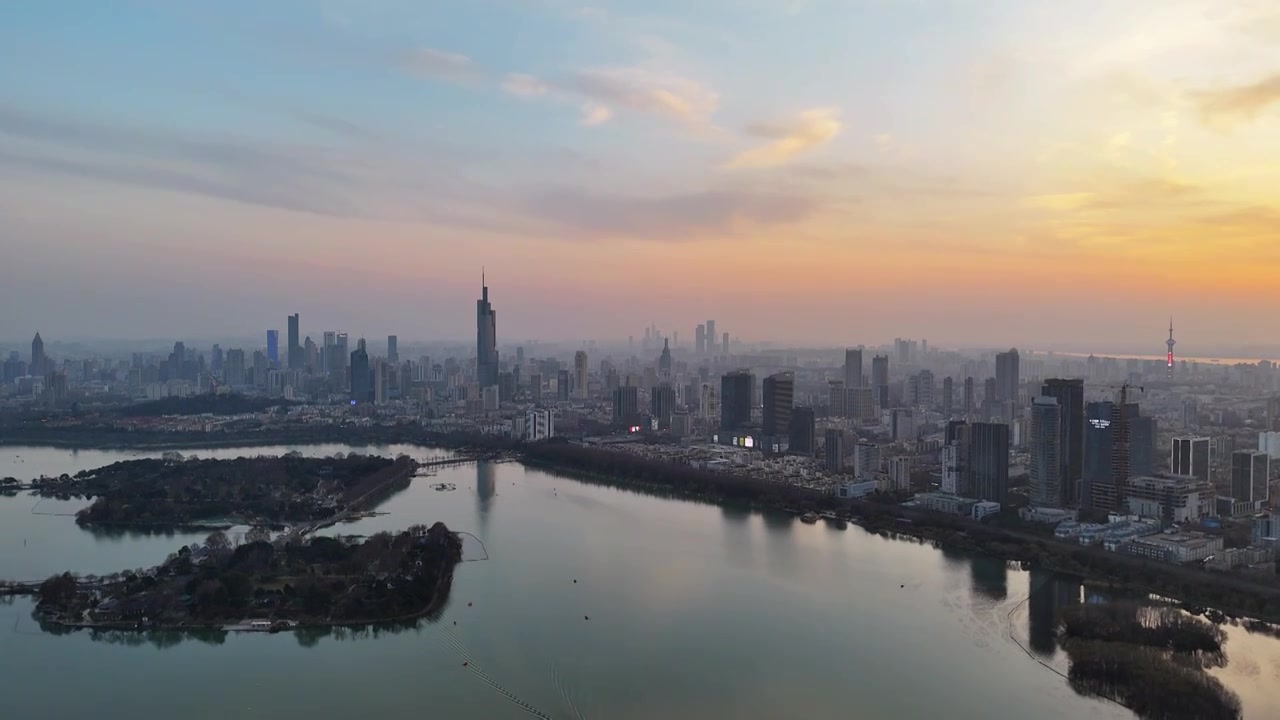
(975, 172)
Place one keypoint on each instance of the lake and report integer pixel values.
(694, 611)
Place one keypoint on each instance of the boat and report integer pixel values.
(809, 517)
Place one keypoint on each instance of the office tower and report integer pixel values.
(880, 380)
(956, 476)
(779, 393)
(902, 349)
(904, 424)
(259, 369)
(506, 387)
(860, 404)
(273, 347)
(535, 388)
(726, 344)
(735, 399)
(1007, 376)
(838, 398)
(664, 361)
(626, 405)
(1190, 456)
(1142, 444)
(1250, 471)
(360, 381)
(294, 354)
(711, 337)
(920, 389)
(662, 404)
(989, 462)
(1107, 457)
(801, 435)
(866, 460)
(233, 373)
(700, 340)
(708, 402)
(215, 360)
(326, 357)
(833, 450)
(580, 375)
(520, 355)
(853, 368)
(55, 388)
(1069, 395)
(1046, 469)
(948, 396)
(1273, 414)
(486, 339)
(393, 349)
(968, 397)
(564, 383)
(39, 361)
(900, 473)
(310, 355)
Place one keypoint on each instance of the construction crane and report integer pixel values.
(1124, 391)
(214, 384)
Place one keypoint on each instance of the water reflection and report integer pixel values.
(1050, 594)
(989, 577)
(778, 520)
(736, 514)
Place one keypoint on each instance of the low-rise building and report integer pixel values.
(856, 489)
(1172, 498)
(1175, 547)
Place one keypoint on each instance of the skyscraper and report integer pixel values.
(580, 375)
(626, 405)
(294, 352)
(1069, 395)
(1007, 371)
(725, 350)
(948, 396)
(564, 385)
(486, 339)
(735, 399)
(361, 387)
(968, 397)
(662, 404)
(1250, 471)
(779, 391)
(664, 361)
(39, 362)
(833, 450)
(1046, 469)
(880, 380)
(1142, 444)
(989, 461)
(273, 346)
(1190, 456)
(700, 340)
(802, 440)
(853, 368)
(711, 337)
(393, 349)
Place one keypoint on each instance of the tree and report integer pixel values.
(217, 540)
(257, 533)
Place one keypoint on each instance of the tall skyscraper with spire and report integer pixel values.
(38, 360)
(1170, 343)
(486, 338)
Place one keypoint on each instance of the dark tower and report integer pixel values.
(294, 353)
(1070, 397)
(486, 339)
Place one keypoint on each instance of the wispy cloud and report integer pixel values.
(524, 85)
(441, 64)
(1240, 103)
(594, 114)
(810, 130)
(668, 96)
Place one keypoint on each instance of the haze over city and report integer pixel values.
(1058, 175)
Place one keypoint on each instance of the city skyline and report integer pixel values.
(1123, 152)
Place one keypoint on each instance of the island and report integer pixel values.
(268, 491)
(266, 584)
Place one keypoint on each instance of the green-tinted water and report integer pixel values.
(695, 611)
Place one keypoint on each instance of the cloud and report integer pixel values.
(523, 85)
(1139, 194)
(669, 96)
(810, 130)
(440, 64)
(1238, 104)
(594, 114)
(672, 218)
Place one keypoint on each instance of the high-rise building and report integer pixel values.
(968, 397)
(735, 399)
(1046, 469)
(725, 350)
(215, 359)
(662, 404)
(955, 459)
(948, 396)
(833, 450)
(273, 347)
(326, 356)
(900, 473)
(920, 389)
(361, 390)
(853, 368)
(1069, 394)
(294, 352)
(1142, 444)
(1250, 474)
(880, 380)
(838, 398)
(580, 375)
(626, 405)
(866, 460)
(664, 361)
(711, 337)
(393, 349)
(802, 440)
(1007, 374)
(779, 393)
(904, 424)
(700, 340)
(486, 339)
(39, 362)
(1190, 457)
(381, 382)
(989, 462)
(233, 372)
(564, 385)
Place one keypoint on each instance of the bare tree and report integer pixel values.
(217, 540)
(257, 533)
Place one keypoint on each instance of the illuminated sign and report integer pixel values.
(1100, 424)
(635, 428)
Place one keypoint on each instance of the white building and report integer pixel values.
(539, 425)
(900, 473)
(856, 489)
(1269, 443)
(866, 460)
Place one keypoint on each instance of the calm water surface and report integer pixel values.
(695, 611)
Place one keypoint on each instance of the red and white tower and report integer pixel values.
(1170, 343)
